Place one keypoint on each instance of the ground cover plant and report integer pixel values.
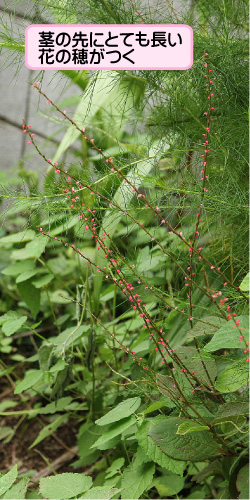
(125, 288)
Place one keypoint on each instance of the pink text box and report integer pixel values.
(109, 46)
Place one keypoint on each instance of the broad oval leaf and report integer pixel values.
(196, 447)
(153, 451)
(66, 485)
(227, 337)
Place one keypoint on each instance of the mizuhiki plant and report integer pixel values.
(119, 271)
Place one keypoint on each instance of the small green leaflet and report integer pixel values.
(190, 426)
(196, 447)
(115, 467)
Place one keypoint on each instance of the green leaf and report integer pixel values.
(48, 429)
(32, 377)
(5, 431)
(242, 482)
(115, 467)
(42, 281)
(18, 491)
(36, 247)
(190, 426)
(56, 406)
(18, 268)
(166, 386)
(136, 480)
(11, 326)
(245, 284)
(153, 451)
(195, 447)
(203, 366)
(57, 297)
(200, 329)
(157, 405)
(31, 296)
(100, 493)
(45, 354)
(227, 337)
(232, 409)
(26, 275)
(115, 429)
(122, 410)
(10, 315)
(7, 480)
(231, 425)
(87, 436)
(66, 485)
(233, 378)
(213, 468)
(79, 78)
(88, 107)
(169, 485)
(20, 237)
(67, 224)
(59, 366)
